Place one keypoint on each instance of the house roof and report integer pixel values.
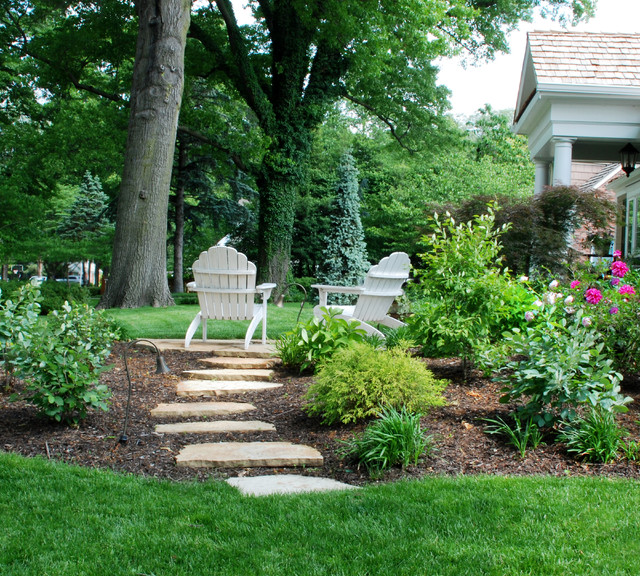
(578, 58)
(581, 58)
(603, 174)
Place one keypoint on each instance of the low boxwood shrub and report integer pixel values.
(358, 379)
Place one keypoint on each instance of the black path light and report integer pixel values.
(628, 158)
(161, 368)
(280, 300)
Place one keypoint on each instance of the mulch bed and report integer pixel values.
(462, 445)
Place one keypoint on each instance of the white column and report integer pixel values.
(542, 176)
(562, 161)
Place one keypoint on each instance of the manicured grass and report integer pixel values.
(173, 321)
(63, 520)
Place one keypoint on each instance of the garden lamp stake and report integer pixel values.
(161, 368)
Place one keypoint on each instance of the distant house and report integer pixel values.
(579, 102)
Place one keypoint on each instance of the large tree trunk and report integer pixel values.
(178, 238)
(278, 183)
(138, 271)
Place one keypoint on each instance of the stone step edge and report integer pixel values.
(209, 388)
(215, 427)
(238, 363)
(248, 454)
(190, 409)
(230, 374)
(285, 484)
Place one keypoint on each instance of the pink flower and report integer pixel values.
(619, 268)
(613, 310)
(617, 253)
(615, 281)
(593, 295)
(529, 315)
(574, 284)
(586, 322)
(626, 289)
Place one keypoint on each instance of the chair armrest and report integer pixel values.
(191, 287)
(324, 290)
(265, 289)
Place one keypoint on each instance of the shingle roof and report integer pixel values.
(586, 58)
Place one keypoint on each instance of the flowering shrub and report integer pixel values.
(558, 363)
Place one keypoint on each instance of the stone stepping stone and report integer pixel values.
(185, 410)
(217, 347)
(285, 484)
(221, 388)
(248, 454)
(216, 427)
(230, 374)
(241, 363)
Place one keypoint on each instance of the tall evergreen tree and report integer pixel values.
(346, 254)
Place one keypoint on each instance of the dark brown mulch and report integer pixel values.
(462, 445)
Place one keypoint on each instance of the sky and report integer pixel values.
(496, 82)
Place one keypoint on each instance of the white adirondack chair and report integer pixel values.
(225, 282)
(382, 285)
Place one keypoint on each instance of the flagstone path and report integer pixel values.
(233, 370)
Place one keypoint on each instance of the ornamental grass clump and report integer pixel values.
(396, 438)
(358, 379)
(595, 437)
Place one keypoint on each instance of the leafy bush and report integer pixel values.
(459, 289)
(559, 364)
(358, 379)
(55, 294)
(396, 438)
(18, 319)
(595, 438)
(521, 435)
(65, 361)
(317, 339)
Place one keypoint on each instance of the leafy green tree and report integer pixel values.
(345, 260)
(302, 57)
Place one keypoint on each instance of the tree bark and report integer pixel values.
(178, 237)
(138, 272)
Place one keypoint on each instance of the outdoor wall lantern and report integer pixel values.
(628, 157)
(161, 368)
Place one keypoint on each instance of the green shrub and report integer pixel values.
(358, 379)
(55, 294)
(595, 438)
(459, 290)
(559, 364)
(64, 364)
(18, 319)
(396, 438)
(317, 340)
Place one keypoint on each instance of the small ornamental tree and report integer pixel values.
(346, 253)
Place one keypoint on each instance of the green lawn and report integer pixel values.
(172, 322)
(61, 520)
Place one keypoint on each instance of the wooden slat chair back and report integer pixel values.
(225, 281)
(382, 285)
